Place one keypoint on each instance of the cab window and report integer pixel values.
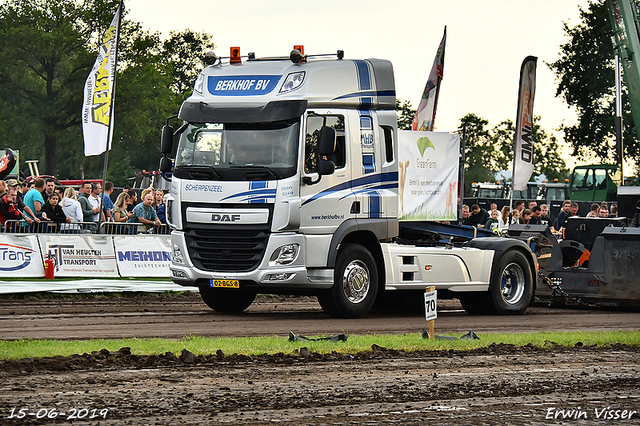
(314, 124)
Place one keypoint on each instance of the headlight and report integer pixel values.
(285, 254)
(176, 254)
(293, 81)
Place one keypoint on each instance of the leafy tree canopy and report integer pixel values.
(47, 48)
(585, 73)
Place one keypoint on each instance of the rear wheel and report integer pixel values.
(511, 286)
(355, 284)
(226, 300)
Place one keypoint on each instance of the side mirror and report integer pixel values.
(166, 141)
(326, 167)
(165, 164)
(326, 141)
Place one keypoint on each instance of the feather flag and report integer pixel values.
(97, 108)
(523, 161)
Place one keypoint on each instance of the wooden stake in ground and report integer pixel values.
(431, 311)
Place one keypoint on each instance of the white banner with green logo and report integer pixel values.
(428, 175)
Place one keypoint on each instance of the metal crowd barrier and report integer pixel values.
(124, 228)
(119, 228)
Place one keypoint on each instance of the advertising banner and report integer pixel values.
(20, 256)
(428, 175)
(523, 162)
(80, 255)
(97, 109)
(143, 255)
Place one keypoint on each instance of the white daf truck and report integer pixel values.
(285, 181)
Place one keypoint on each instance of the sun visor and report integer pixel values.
(204, 112)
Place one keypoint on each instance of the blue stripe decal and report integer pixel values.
(377, 188)
(363, 75)
(374, 204)
(258, 184)
(368, 163)
(264, 193)
(390, 177)
(369, 93)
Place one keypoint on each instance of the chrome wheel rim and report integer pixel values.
(356, 281)
(512, 283)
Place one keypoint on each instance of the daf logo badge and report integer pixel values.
(225, 217)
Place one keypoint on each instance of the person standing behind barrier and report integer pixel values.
(83, 199)
(71, 207)
(49, 188)
(144, 213)
(53, 211)
(94, 199)
(33, 199)
(160, 206)
(24, 188)
(3, 188)
(11, 208)
(119, 211)
(133, 199)
(503, 218)
(106, 199)
(153, 194)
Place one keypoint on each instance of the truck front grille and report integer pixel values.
(228, 250)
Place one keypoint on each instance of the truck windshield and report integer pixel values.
(239, 150)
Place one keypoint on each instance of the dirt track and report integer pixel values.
(497, 385)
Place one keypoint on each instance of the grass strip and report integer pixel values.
(32, 348)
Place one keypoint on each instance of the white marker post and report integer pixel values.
(431, 309)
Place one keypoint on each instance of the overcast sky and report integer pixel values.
(486, 42)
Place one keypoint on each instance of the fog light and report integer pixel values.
(280, 277)
(285, 254)
(176, 255)
(178, 274)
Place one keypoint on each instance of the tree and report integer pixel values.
(405, 116)
(482, 158)
(585, 74)
(547, 159)
(46, 51)
(43, 62)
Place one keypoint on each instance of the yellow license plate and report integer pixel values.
(225, 283)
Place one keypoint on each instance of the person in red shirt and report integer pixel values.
(12, 208)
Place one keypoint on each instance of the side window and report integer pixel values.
(388, 142)
(314, 123)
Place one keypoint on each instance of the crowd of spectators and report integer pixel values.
(530, 213)
(40, 206)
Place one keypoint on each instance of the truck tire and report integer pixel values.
(511, 287)
(227, 300)
(355, 284)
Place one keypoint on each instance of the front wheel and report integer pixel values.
(355, 284)
(511, 286)
(227, 300)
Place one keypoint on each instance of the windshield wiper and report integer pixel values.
(258, 169)
(200, 171)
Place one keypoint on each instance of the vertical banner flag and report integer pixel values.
(523, 143)
(426, 113)
(97, 109)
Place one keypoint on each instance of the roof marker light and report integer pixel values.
(234, 55)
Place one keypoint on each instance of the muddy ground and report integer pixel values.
(500, 384)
